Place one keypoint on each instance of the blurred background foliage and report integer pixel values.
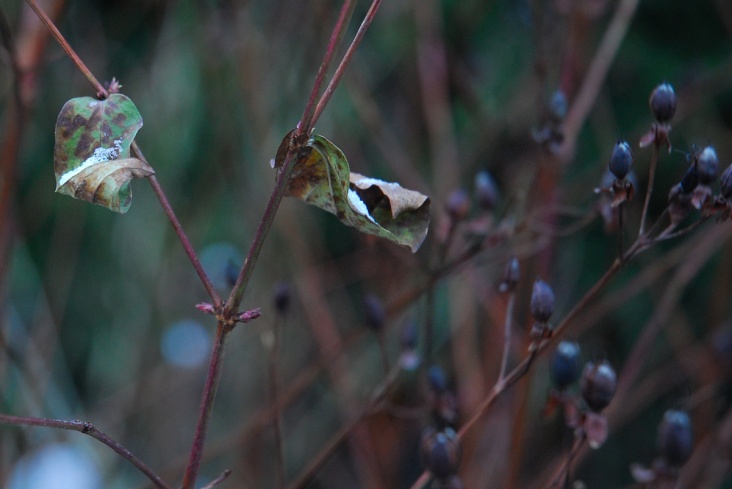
(98, 317)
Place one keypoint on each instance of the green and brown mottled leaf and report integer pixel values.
(92, 154)
(323, 178)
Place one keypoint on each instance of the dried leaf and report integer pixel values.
(323, 178)
(92, 154)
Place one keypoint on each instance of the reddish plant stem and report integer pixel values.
(522, 368)
(86, 428)
(603, 58)
(346, 60)
(242, 280)
(204, 415)
(101, 91)
(308, 119)
(182, 236)
(562, 476)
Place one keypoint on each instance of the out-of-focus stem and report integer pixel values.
(649, 190)
(87, 429)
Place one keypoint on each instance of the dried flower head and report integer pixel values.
(663, 103)
(598, 385)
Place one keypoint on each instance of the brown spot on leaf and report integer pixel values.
(84, 147)
(119, 119)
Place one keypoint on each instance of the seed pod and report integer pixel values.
(437, 379)
(511, 275)
(281, 297)
(558, 106)
(458, 205)
(663, 103)
(674, 438)
(374, 312)
(690, 179)
(542, 301)
(440, 452)
(707, 165)
(598, 385)
(565, 366)
(725, 182)
(486, 190)
(621, 160)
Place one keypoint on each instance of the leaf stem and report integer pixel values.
(207, 400)
(346, 60)
(101, 91)
(184, 241)
(86, 428)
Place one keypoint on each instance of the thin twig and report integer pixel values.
(523, 367)
(87, 428)
(101, 91)
(507, 335)
(563, 473)
(207, 399)
(649, 191)
(225, 475)
(308, 119)
(603, 58)
(345, 61)
(184, 241)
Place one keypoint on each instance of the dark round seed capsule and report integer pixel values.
(374, 312)
(542, 301)
(675, 438)
(437, 379)
(725, 182)
(621, 160)
(458, 204)
(440, 452)
(663, 103)
(511, 275)
(565, 366)
(486, 190)
(281, 296)
(707, 165)
(598, 384)
(558, 106)
(690, 179)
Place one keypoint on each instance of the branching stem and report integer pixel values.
(87, 429)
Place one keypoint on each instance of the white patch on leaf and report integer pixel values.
(100, 156)
(358, 205)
